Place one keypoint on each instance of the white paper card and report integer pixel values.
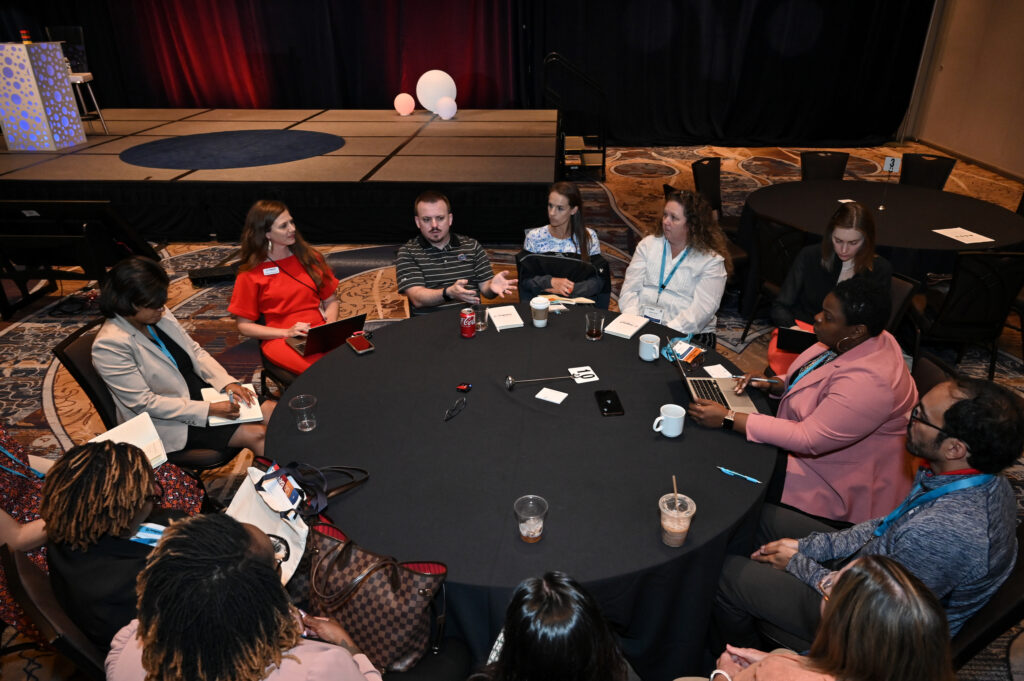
(141, 432)
(845, 200)
(583, 374)
(557, 308)
(718, 371)
(963, 235)
(549, 395)
(892, 164)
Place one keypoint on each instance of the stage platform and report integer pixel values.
(494, 165)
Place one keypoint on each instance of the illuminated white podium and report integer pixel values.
(37, 105)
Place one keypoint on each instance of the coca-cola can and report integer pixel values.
(467, 322)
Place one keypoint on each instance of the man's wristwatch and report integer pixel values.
(729, 420)
(444, 294)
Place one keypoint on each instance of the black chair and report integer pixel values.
(777, 248)
(1004, 609)
(567, 265)
(902, 290)
(276, 374)
(75, 353)
(1020, 206)
(31, 589)
(823, 165)
(707, 180)
(926, 170)
(984, 286)
(929, 371)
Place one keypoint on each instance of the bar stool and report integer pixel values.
(78, 80)
(72, 40)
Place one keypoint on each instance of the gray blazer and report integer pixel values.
(143, 379)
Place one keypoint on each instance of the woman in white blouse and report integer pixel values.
(677, 275)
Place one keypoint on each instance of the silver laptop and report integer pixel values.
(717, 390)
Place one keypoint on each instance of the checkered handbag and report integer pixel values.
(393, 611)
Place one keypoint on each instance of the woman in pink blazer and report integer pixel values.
(843, 416)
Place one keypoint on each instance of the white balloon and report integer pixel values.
(404, 104)
(446, 108)
(432, 86)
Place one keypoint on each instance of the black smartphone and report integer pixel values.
(608, 402)
(360, 344)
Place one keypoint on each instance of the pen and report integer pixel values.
(738, 475)
(231, 398)
(758, 379)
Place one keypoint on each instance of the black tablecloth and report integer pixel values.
(903, 230)
(444, 490)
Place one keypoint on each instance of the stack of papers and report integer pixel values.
(625, 325)
(246, 414)
(505, 317)
(140, 432)
(580, 300)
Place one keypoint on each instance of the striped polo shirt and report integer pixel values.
(420, 263)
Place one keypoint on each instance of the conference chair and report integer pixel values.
(929, 371)
(974, 309)
(777, 248)
(823, 165)
(902, 291)
(279, 376)
(926, 170)
(707, 180)
(72, 41)
(568, 266)
(75, 353)
(30, 587)
(1004, 609)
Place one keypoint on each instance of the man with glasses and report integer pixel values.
(955, 530)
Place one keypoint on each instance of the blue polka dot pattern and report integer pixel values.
(36, 103)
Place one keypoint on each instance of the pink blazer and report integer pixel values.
(845, 425)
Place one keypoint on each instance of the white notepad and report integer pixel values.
(505, 317)
(625, 325)
(141, 432)
(246, 414)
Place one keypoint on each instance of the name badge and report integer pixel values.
(267, 271)
(653, 312)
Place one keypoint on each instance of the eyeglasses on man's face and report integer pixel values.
(917, 414)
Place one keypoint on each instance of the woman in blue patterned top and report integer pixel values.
(565, 233)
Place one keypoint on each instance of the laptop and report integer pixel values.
(717, 390)
(326, 337)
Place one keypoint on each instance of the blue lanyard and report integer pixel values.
(18, 473)
(163, 348)
(662, 281)
(823, 358)
(148, 534)
(963, 483)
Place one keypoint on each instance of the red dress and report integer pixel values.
(21, 495)
(282, 292)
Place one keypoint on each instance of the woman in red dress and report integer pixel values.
(284, 287)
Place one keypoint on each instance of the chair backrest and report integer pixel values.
(902, 291)
(926, 170)
(777, 248)
(31, 588)
(1020, 206)
(985, 284)
(707, 180)
(823, 165)
(929, 371)
(1004, 609)
(75, 353)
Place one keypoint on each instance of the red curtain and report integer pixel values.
(199, 51)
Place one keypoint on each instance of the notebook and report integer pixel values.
(326, 337)
(505, 317)
(246, 413)
(141, 432)
(625, 325)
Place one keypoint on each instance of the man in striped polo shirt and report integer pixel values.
(439, 267)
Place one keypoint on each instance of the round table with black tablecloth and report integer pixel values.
(444, 490)
(904, 229)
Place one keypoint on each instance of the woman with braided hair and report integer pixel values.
(211, 608)
(98, 506)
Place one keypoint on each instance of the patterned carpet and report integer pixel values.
(43, 407)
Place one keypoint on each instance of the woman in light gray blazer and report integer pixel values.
(151, 364)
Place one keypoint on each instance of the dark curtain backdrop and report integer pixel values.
(732, 72)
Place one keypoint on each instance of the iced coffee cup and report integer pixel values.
(676, 513)
(530, 511)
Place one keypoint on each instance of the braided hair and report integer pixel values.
(95, 489)
(211, 606)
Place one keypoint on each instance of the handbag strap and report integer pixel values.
(313, 481)
(337, 558)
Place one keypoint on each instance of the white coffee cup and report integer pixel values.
(670, 423)
(539, 307)
(649, 346)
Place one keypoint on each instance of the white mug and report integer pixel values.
(649, 346)
(670, 423)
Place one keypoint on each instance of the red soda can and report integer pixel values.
(467, 322)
